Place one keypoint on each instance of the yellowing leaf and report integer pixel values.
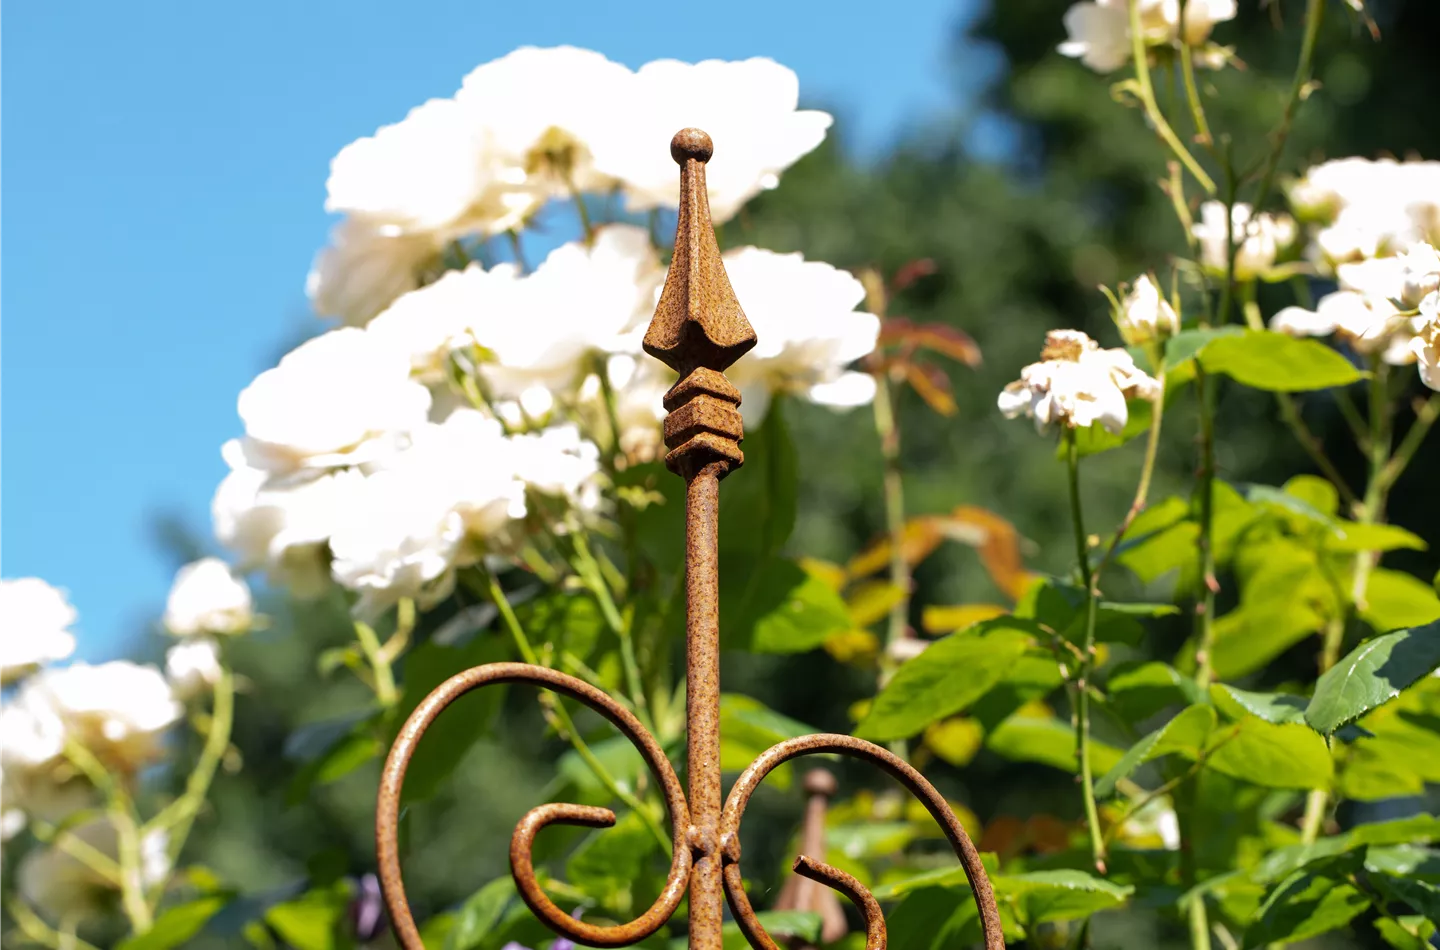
(918, 538)
(998, 543)
(857, 647)
(955, 740)
(938, 619)
(832, 574)
(872, 601)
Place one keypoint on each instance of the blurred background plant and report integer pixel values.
(167, 815)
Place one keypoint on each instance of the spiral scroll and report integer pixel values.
(387, 814)
(933, 801)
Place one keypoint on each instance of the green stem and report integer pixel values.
(132, 879)
(33, 927)
(1205, 610)
(1424, 418)
(594, 580)
(1199, 920)
(1192, 90)
(1314, 14)
(1152, 109)
(562, 716)
(1081, 692)
(385, 689)
(179, 816)
(888, 429)
(79, 849)
(1147, 472)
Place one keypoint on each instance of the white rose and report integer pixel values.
(1145, 315)
(282, 523)
(1420, 274)
(342, 398)
(1077, 384)
(62, 887)
(193, 666)
(807, 328)
(1259, 239)
(1099, 30)
(207, 598)
(455, 484)
(431, 322)
(366, 267)
(542, 109)
(580, 301)
(437, 171)
(559, 461)
(1425, 347)
(35, 621)
(748, 107)
(35, 777)
(119, 710)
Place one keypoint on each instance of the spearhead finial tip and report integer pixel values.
(691, 143)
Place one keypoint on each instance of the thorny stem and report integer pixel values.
(887, 427)
(1080, 689)
(562, 716)
(1314, 14)
(1192, 91)
(1152, 109)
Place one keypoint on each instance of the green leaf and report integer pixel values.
(757, 514)
(1275, 362)
(803, 925)
(1373, 673)
(1139, 691)
(620, 758)
(1289, 755)
(780, 609)
(330, 749)
(1187, 344)
(749, 727)
(1095, 438)
(1394, 599)
(1041, 896)
(176, 925)
(1061, 607)
(1422, 896)
(313, 921)
(933, 918)
(1185, 734)
(1271, 707)
(480, 914)
(1404, 860)
(612, 861)
(461, 725)
(952, 673)
(569, 621)
(1048, 741)
(1398, 934)
(1305, 904)
(1355, 536)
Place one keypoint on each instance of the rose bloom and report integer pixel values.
(1077, 384)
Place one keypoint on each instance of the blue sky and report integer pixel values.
(162, 186)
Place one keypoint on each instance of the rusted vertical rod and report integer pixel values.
(702, 703)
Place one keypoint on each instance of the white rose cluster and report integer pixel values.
(536, 125)
(462, 407)
(1099, 30)
(1373, 225)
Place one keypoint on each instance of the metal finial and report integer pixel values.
(699, 329)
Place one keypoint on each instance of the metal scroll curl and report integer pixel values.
(916, 783)
(387, 814)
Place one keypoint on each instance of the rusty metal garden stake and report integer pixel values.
(699, 330)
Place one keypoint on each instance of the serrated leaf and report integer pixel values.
(1272, 707)
(778, 608)
(1373, 673)
(1422, 896)
(1305, 904)
(1140, 690)
(1057, 895)
(951, 674)
(1276, 362)
(1276, 756)
(1397, 933)
(1185, 734)
(1187, 344)
(1394, 599)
